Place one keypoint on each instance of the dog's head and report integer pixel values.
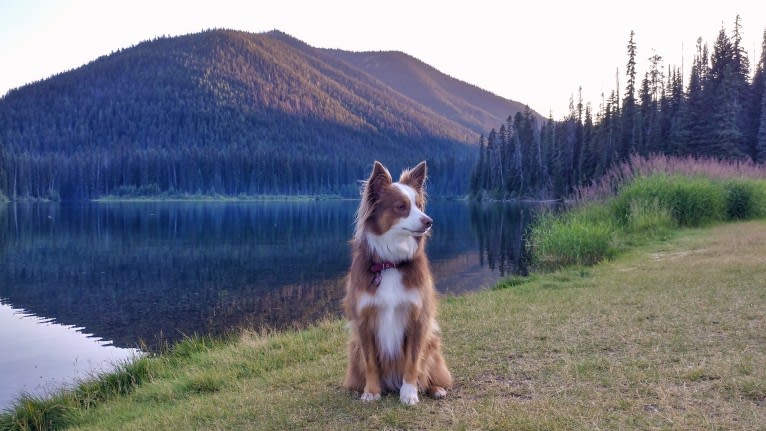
(394, 210)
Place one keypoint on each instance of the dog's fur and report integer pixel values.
(394, 341)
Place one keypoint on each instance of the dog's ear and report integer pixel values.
(379, 179)
(415, 177)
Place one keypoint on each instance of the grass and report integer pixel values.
(643, 209)
(667, 335)
(581, 237)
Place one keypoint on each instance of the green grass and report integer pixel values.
(692, 201)
(644, 209)
(581, 237)
(667, 335)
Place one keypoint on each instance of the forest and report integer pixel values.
(219, 113)
(721, 113)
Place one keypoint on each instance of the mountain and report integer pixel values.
(460, 102)
(233, 113)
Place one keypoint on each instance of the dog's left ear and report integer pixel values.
(415, 177)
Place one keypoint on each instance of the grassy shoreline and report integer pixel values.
(668, 335)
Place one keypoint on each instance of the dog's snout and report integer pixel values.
(426, 221)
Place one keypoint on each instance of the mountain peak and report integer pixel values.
(218, 110)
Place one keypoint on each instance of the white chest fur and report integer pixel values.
(393, 301)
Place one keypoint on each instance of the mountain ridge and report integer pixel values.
(231, 112)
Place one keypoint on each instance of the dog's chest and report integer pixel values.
(393, 302)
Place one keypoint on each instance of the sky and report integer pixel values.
(536, 52)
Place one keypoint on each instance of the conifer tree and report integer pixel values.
(503, 143)
(757, 91)
(723, 137)
(690, 137)
(589, 154)
(740, 70)
(760, 155)
(643, 118)
(478, 171)
(493, 162)
(652, 127)
(518, 183)
(3, 185)
(629, 103)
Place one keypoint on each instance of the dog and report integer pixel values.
(390, 302)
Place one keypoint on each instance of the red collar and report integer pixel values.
(378, 269)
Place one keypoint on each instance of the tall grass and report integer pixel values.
(581, 237)
(692, 201)
(745, 199)
(647, 198)
(32, 413)
(637, 166)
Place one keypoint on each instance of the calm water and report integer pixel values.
(84, 285)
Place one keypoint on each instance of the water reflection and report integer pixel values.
(500, 229)
(158, 271)
(40, 356)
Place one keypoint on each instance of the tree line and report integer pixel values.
(721, 113)
(217, 112)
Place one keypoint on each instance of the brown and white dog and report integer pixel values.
(390, 298)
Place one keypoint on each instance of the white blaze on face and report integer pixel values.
(412, 223)
(398, 243)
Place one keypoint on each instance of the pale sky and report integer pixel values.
(534, 52)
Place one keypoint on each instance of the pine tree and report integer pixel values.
(642, 120)
(503, 142)
(760, 154)
(578, 142)
(652, 128)
(628, 143)
(493, 162)
(757, 91)
(691, 135)
(519, 182)
(672, 111)
(478, 170)
(740, 70)
(724, 136)
(3, 185)
(589, 154)
(547, 144)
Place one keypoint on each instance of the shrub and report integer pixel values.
(745, 199)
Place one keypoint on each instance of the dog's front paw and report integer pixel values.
(408, 394)
(368, 396)
(438, 392)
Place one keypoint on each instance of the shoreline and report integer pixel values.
(541, 352)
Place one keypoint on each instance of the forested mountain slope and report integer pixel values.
(463, 103)
(227, 112)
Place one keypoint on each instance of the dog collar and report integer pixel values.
(378, 269)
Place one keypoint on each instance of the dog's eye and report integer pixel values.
(401, 206)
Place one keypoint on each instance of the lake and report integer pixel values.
(85, 285)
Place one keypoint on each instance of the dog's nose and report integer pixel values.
(426, 221)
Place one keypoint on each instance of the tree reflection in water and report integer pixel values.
(158, 271)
